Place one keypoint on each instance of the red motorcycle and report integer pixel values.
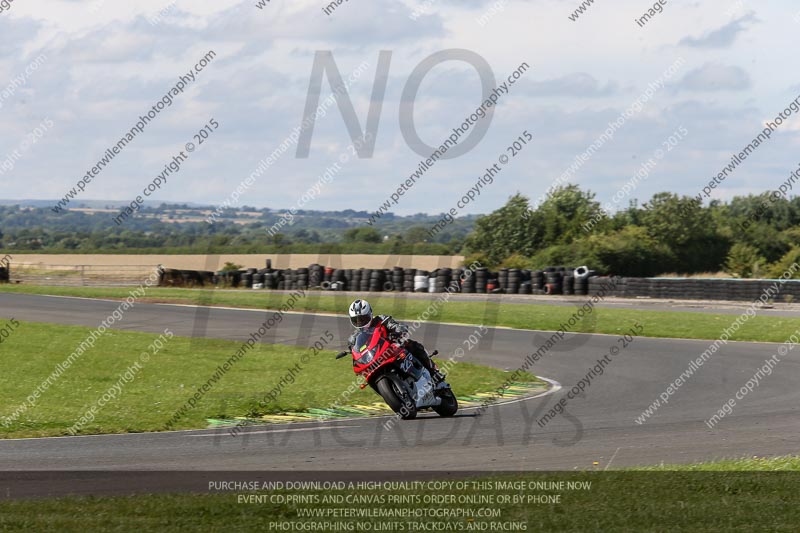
(393, 372)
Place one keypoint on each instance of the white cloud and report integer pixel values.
(107, 66)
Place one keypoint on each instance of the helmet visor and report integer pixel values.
(361, 320)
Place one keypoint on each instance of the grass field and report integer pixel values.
(168, 379)
(746, 496)
(669, 324)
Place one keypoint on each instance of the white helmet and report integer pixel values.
(360, 313)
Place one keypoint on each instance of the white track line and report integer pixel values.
(612, 459)
(289, 430)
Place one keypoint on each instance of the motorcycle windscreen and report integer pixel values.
(369, 343)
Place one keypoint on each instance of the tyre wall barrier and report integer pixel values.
(567, 281)
(697, 288)
(550, 281)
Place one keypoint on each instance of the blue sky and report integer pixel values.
(106, 63)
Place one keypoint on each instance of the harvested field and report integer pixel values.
(216, 262)
(80, 275)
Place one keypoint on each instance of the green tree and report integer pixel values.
(563, 215)
(674, 221)
(743, 261)
(788, 263)
(628, 252)
(416, 234)
(687, 229)
(362, 235)
(511, 229)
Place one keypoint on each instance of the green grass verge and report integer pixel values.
(755, 464)
(722, 497)
(169, 379)
(669, 324)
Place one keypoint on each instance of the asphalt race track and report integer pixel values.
(596, 427)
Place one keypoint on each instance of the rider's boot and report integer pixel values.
(437, 376)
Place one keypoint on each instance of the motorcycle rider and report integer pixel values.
(361, 317)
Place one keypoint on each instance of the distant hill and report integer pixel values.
(89, 226)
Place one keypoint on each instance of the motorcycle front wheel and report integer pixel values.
(395, 395)
(449, 404)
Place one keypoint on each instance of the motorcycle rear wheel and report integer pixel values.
(449, 404)
(396, 397)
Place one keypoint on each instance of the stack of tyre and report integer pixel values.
(554, 280)
(456, 278)
(270, 279)
(526, 286)
(502, 279)
(289, 279)
(408, 279)
(568, 281)
(246, 279)
(339, 279)
(377, 279)
(364, 279)
(354, 283)
(514, 281)
(303, 278)
(397, 279)
(481, 279)
(442, 279)
(551, 281)
(537, 282)
(421, 281)
(258, 278)
(582, 274)
(316, 275)
(468, 282)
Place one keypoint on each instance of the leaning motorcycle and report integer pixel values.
(393, 372)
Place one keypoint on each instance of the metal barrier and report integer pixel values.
(79, 275)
